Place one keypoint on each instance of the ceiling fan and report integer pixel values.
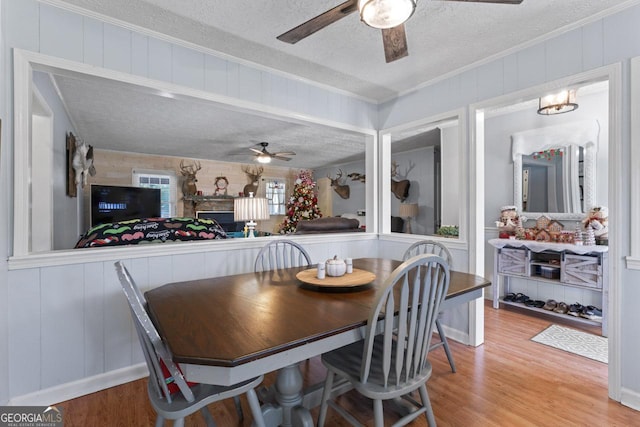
(264, 156)
(394, 38)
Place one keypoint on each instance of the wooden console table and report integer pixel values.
(558, 264)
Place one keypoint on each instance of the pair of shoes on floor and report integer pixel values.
(523, 299)
(591, 312)
(519, 297)
(561, 308)
(577, 310)
(556, 307)
(534, 303)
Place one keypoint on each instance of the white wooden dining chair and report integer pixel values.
(171, 396)
(281, 253)
(436, 248)
(392, 363)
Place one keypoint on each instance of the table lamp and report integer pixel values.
(408, 211)
(250, 209)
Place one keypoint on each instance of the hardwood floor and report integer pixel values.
(508, 381)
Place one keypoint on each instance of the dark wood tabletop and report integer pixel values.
(231, 320)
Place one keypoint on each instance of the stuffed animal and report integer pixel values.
(598, 219)
(509, 222)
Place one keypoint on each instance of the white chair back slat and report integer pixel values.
(428, 247)
(280, 254)
(423, 280)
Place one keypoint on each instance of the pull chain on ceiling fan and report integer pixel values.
(388, 15)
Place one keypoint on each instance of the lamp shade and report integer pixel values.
(385, 13)
(408, 210)
(558, 103)
(250, 208)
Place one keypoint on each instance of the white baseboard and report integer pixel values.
(455, 335)
(84, 386)
(630, 398)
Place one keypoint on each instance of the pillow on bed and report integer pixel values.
(151, 230)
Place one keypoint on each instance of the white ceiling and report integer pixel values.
(443, 36)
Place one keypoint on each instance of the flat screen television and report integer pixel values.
(224, 218)
(110, 203)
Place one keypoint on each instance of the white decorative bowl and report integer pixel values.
(336, 267)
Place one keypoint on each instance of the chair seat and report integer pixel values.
(346, 361)
(204, 394)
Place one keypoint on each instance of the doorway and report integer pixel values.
(485, 156)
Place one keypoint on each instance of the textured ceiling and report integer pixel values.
(443, 36)
(115, 116)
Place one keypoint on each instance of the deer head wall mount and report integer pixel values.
(254, 175)
(343, 190)
(400, 188)
(189, 187)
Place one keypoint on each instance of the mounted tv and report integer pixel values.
(110, 203)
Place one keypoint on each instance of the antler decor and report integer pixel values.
(189, 172)
(254, 175)
(357, 177)
(342, 189)
(400, 188)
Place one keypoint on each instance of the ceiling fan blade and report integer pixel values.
(319, 22)
(284, 153)
(491, 1)
(255, 150)
(280, 158)
(395, 43)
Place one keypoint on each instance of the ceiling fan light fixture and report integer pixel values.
(263, 158)
(558, 103)
(385, 13)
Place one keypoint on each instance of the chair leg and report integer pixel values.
(208, 418)
(378, 415)
(159, 421)
(445, 343)
(256, 410)
(424, 396)
(326, 395)
(236, 400)
(178, 422)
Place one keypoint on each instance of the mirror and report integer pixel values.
(130, 120)
(425, 187)
(554, 169)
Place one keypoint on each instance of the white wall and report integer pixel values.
(421, 191)
(451, 185)
(65, 208)
(5, 206)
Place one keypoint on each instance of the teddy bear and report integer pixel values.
(509, 221)
(598, 219)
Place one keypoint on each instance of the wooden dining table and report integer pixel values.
(225, 330)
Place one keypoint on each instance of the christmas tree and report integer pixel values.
(303, 204)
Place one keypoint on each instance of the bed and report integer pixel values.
(150, 230)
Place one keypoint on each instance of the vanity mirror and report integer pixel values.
(554, 169)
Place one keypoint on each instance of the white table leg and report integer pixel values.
(288, 410)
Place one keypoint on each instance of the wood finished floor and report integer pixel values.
(508, 381)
